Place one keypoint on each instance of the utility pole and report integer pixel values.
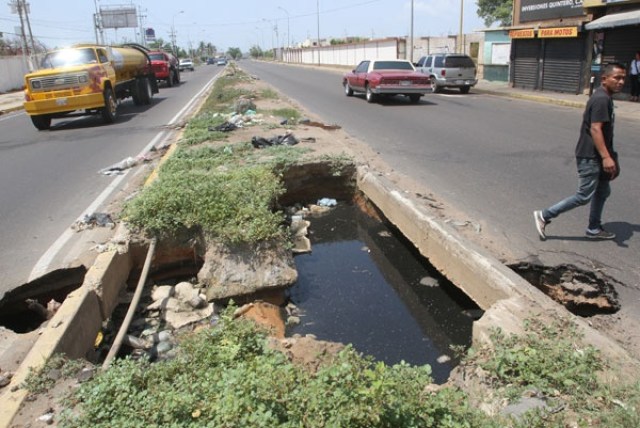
(411, 35)
(17, 6)
(97, 22)
(461, 34)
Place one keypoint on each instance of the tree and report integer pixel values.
(234, 53)
(496, 11)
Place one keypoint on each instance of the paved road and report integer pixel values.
(50, 178)
(495, 159)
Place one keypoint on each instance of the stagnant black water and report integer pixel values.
(366, 285)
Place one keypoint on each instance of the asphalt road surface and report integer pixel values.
(49, 179)
(495, 159)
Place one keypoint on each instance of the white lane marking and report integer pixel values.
(42, 266)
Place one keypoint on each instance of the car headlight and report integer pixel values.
(83, 78)
(36, 84)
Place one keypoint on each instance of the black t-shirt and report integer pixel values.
(599, 109)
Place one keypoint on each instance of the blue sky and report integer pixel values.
(244, 23)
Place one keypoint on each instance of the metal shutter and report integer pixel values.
(525, 63)
(563, 62)
(620, 45)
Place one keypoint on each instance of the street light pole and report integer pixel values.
(461, 35)
(288, 37)
(411, 35)
(173, 33)
(318, 13)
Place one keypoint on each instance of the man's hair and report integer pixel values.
(611, 66)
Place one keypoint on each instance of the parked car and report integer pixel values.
(186, 64)
(387, 77)
(211, 61)
(449, 70)
(165, 67)
(222, 61)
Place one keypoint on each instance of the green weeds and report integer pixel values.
(228, 377)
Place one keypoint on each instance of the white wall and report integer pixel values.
(347, 54)
(12, 71)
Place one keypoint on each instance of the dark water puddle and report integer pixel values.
(366, 285)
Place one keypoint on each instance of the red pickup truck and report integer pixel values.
(165, 67)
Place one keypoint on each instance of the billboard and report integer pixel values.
(119, 17)
(538, 10)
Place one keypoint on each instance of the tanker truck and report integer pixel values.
(88, 79)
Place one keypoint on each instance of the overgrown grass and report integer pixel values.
(57, 367)
(290, 114)
(228, 192)
(269, 94)
(551, 360)
(228, 377)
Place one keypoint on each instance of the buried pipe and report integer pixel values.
(132, 307)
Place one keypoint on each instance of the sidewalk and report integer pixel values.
(12, 101)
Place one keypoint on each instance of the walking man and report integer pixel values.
(595, 158)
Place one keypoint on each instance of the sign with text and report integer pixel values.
(534, 10)
(558, 32)
(596, 3)
(522, 34)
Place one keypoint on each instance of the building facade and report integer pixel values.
(561, 45)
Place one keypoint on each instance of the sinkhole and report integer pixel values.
(364, 284)
(26, 308)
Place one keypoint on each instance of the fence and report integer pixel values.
(12, 71)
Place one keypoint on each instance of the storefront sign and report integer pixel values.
(558, 32)
(596, 3)
(534, 10)
(522, 34)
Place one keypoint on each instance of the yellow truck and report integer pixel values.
(88, 79)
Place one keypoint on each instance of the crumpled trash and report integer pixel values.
(279, 140)
(127, 163)
(310, 122)
(89, 221)
(327, 202)
(224, 127)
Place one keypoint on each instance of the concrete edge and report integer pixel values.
(532, 97)
(74, 327)
(507, 299)
(10, 110)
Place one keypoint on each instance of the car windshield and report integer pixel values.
(156, 57)
(69, 57)
(392, 65)
(459, 61)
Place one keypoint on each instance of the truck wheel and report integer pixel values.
(465, 89)
(414, 98)
(109, 111)
(145, 92)
(171, 79)
(177, 76)
(434, 86)
(42, 122)
(370, 96)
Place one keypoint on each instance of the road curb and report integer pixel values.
(532, 97)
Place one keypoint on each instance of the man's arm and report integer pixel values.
(608, 163)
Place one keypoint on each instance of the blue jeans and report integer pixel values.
(590, 189)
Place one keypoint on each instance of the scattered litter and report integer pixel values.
(284, 122)
(308, 140)
(127, 163)
(327, 202)
(224, 127)
(243, 105)
(250, 112)
(279, 140)
(92, 220)
(309, 122)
